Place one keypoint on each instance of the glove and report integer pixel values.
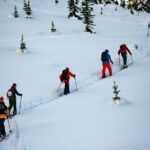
(74, 75)
(21, 94)
(112, 62)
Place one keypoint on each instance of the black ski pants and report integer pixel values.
(2, 127)
(124, 56)
(66, 89)
(12, 104)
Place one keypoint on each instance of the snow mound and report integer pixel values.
(121, 102)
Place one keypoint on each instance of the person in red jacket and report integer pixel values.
(11, 95)
(123, 51)
(65, 77)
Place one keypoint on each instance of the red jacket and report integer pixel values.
(70, 74)
(123, 50)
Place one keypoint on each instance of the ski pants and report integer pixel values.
(12, 104)
(66, 89)
(124, 56)
(2, 127)
(106, 66)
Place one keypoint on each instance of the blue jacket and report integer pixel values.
(108, 59)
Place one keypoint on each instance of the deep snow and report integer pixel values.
(86, 119)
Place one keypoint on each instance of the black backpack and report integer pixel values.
(2, 108)
(104, 57)
(64, 75)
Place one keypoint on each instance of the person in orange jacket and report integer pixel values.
(106, 60)
(123, 51)
(65, 78)
(4, 113)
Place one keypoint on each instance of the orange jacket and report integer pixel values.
(4, 112)
(4, 116)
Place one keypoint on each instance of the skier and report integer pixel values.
(65, 77)
(106, 59)
(123, 51)
(11, 95)
(4, 113)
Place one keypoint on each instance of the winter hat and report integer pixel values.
(106, 50)
(1, 99)
(14, 84)
(67, 69)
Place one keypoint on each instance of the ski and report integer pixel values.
(122, 68)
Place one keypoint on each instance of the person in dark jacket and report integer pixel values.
(106, 60)
(65, 78)
(4, 113)
(11, 95)
(123, 51)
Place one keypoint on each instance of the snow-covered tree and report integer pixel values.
(28, 10)
(139, 5)
(22, 48)
(148, 34)
(101, 10)
(15, 14)
(56, 1)
(73, 9)
(146, 6)
(122, 3)
(87, 16)
(53, 29)
(25, 5)
(116, 92)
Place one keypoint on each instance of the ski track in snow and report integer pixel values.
(13, 140)
(82, 84)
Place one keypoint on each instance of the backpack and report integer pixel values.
(64, 75)
(9, 94)
(2, 108)
(104, 57)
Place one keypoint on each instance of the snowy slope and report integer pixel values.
(86, 119)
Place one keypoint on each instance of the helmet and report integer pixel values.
(1, 99)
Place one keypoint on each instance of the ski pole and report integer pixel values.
(119, 60)
(131, 59)
(20, 105)
(58, 87)
(9, 125)
(76, 83)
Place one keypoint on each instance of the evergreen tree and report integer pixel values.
(116, 92)
(28, 10)
(22, 44)
(73, 9)
(146, 6)
(56, 1)
(53, 29)
(25, 5)
(101, 10)
(135, 4)
(15, 12)
(87, 16)
(77, 2)
(122, 3)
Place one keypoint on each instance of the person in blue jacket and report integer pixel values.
(106, 60)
